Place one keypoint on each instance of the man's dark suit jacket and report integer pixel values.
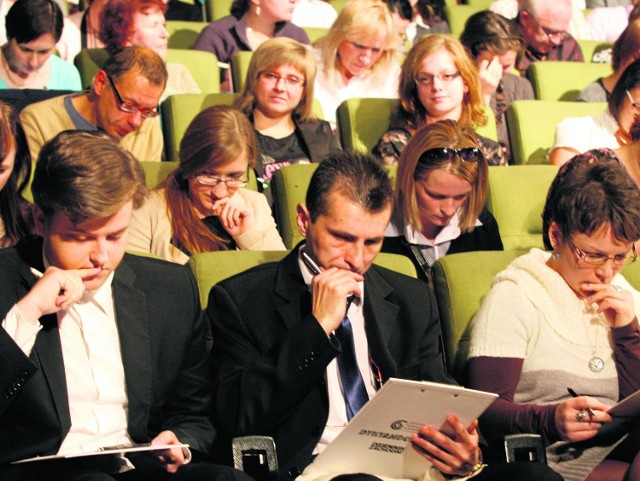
(163, 343)
(270, 353)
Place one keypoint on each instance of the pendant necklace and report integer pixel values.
(596, 363)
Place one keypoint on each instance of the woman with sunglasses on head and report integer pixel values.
(568, 319)
(438, 81)
(441, 188)
(357, 58)
(278, 99)
(203, 206)
(610, 129)
(496, 44)
(33, 28)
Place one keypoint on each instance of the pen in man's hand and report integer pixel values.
(575, 394)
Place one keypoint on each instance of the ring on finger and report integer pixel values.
(581, 415)
(615, 288)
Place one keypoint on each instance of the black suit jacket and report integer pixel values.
(270, 353)
(163, 345)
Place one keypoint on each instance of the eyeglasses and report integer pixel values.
(272, 78)
(553, 35)
(427, 79)
(601, 259)
(438, 155)
(213, 180)
(129, 107)
(634, 104)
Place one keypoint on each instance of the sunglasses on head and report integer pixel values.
(445, 154)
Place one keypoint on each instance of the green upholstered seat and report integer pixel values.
(457, 16)
(362, 121)
(156, 172)
(183, 34)
(516, 197)
(217, 9)
(239, 68)
(532, 126)
(179, 110)
(212, 267)
(563, 80)
(591, 47)
(632, 274)
(461, 281)
(203, 66)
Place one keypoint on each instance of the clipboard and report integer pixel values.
(376, 441)
(118, 450)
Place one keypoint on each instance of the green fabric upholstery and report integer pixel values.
(461, 281)
(591, 47)
(315, 33)
(289, 186)
(563, 80)
(179, 110)
(239, 68)
(516, 197)
(212, 267)
(183, 34)
(532, 125)
(88, 62)
(217, 9)
(203, 66)
(156, 172)
(632, 274)
(362, 121)
(457, 16)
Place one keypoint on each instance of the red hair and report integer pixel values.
(117, 20)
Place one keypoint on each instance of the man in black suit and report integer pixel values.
(98, 347)
(276, 330)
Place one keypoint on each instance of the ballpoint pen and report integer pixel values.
(575, 394)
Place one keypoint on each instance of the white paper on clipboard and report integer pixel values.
(376, 441)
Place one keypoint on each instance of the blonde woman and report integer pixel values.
(357, 58)
(278, 99)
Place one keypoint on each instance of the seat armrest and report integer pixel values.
(256, 456)
(524, 447)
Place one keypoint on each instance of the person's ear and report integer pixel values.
(40, 221)
(303, 219)
(555, 235)
(100, 82)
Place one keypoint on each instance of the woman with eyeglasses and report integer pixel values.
(203, 206)
(496, 44)
(27, 60)
(609, 129)
(278, 99)
(358, 57)
(557, 336)
(438, 81)
(441, 188)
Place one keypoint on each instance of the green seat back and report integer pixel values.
(532, 126)
(461, 281)
(239, 68)
(217, 9)
(315, 33)
(289, 185)
(179, 110)
(632, 274)
(362, 121)
(156, 172)
(457, 16)
(591, 47)
(183, 34)
(210, 268)
(203, 67)
(88, 62)
(563, 80)
(516, 197)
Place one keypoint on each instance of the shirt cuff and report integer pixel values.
(22, 330)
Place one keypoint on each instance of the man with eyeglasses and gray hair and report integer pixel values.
(123, 103)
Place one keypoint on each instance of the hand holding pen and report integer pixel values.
(580, 417)
(330, 289)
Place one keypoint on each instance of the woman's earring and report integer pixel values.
(258, 11)
(555, 256)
